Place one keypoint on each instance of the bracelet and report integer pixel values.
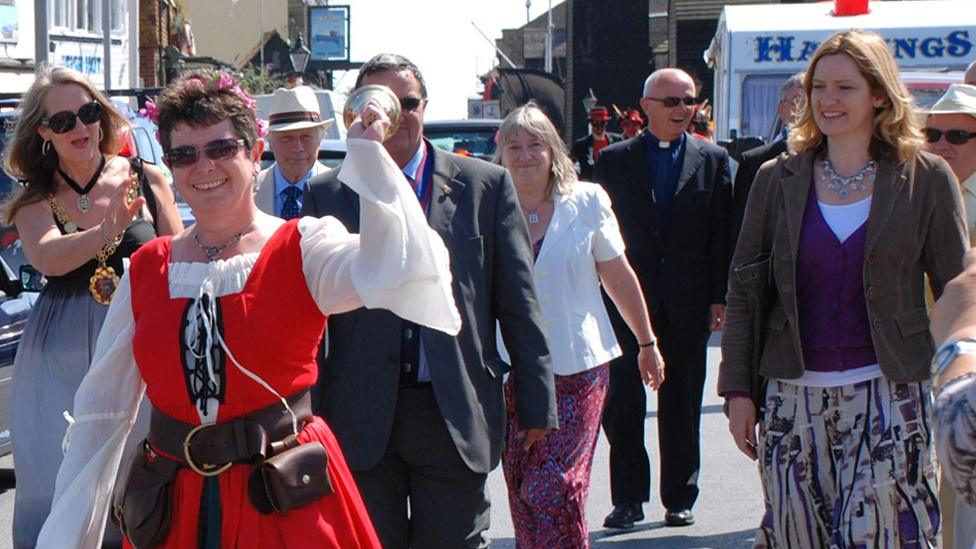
(651, 343)
(105, 238)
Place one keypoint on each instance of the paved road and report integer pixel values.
(728, 509)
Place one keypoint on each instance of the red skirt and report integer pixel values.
(336, 521)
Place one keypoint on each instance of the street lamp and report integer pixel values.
(589, 102)
(299, 55)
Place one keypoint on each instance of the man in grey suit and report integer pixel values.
(419, 414)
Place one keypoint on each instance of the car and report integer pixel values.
(8, 117)
(15, 307)
(928, 86)
(470, 137)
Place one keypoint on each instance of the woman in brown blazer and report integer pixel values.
(844, 229)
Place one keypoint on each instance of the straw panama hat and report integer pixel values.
(295, 109)
(958, 99)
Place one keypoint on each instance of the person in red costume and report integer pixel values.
(219, 326)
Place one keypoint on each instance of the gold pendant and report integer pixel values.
(102, 284)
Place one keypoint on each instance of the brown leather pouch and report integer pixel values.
(293, 478)
(143, 510)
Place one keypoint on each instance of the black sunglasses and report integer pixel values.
(674, 101)
(187, 155)
(64, 121)
(410, 103)
(956, 137)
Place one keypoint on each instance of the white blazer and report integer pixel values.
(264, 186)
(582, 232)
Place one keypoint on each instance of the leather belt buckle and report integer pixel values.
(204, 469)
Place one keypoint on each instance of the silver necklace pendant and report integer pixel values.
(70, 227)
(844, 185)
(533, 218)
(84, 203)
(213, 251)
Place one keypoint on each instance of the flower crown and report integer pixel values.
(220, 81)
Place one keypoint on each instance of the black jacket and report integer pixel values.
(683, 268)
(749, 164)
(582, 152)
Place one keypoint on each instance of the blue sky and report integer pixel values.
(438, 36)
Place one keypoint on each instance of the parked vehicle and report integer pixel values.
(757, 47)
(15, 307)
(472, 137)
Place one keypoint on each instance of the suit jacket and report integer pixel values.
(682, 268)
(916, 227)
(264, 186)
(749, 164)
(475, 210)
(582, 152)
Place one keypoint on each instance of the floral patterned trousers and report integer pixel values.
(549, 483)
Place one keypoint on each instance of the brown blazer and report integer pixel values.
(916, 226)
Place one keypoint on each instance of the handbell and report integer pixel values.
(383, 95)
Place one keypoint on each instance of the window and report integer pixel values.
(760, 97)
(118, 15)
(60, 14)
(86, 15)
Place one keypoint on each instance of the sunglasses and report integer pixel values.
(674, 101)
(65, 121)
(410, 103)
(187, 155)
(955, 137)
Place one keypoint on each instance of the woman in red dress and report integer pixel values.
(220, 324)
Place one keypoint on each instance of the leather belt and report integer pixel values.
(213, 448)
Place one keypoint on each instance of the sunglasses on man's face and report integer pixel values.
(410, 103)
(955, 137)
(187, 155)
(670, 102)
(64, 121)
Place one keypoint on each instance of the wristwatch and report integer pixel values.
(948, 352)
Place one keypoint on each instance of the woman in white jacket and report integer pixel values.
(577, 246)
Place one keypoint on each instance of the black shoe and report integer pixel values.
(624, 516)
(681, 517)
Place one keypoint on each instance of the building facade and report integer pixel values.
(75, 39)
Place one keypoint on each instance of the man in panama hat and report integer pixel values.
(295, 130)
(950, 132)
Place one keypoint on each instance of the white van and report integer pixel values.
(757, 47)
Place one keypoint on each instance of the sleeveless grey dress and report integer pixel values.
(53, 357)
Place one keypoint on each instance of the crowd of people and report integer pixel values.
(435, 316)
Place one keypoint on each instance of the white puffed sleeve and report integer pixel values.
(105, 408)
(397, 262)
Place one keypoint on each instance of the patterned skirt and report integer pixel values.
(848, 466)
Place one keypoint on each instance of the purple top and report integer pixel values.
(833, 317)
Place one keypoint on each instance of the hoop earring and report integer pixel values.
(46, 147)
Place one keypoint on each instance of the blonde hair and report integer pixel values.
(897, 130)
(532, 120)
(24, 158)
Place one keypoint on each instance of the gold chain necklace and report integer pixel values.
(105, 280)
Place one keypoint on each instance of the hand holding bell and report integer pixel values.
(379, 97)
